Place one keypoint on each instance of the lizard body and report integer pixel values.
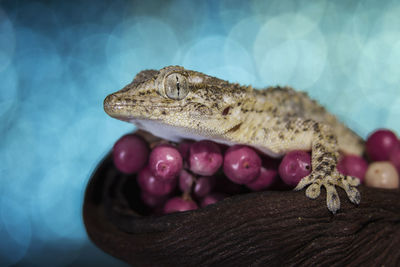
(174, 104)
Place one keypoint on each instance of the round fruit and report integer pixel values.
(353, 165)
(205, 158)
(380, 144)
(294, 166)
(151, 184)
(266, 178)
(130, 153)
(241, 164)
(176, 204)
(212, 198)
(203, 186)
(382, 174)
(165, 162)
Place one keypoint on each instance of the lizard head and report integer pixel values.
(178, 103)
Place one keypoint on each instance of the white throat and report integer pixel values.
(165, 131)
(177, 134)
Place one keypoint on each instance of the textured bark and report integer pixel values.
(267, 228)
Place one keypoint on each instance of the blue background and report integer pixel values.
(58, 60)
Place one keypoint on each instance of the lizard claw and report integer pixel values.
(348, 183)
(303, 183)
(332, 199)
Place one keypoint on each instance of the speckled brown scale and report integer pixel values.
(274, 120)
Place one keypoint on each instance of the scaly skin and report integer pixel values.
(175, 103)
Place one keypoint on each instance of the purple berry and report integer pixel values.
(241, 164)
(165, 162)
(205, 157)
(265, 179)
(152, 200)
(395, 158)
(353, 165)
(186, 180)
(203, 186)
(176, 204)
(294, 166)
(149, 183)
(380, 145)
(212, 198)
(130, 153)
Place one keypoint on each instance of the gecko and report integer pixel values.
(175, 104)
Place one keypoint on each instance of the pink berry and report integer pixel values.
(186, 181)
(165, 162)
(203, 186)
(205, 157)
(152, 200)
(241, 164)
(177, 204)
(265, 179)
(294, 166)
(395, 158)
(130, 153)
(149, 183)
(212, 198)
(352, 165)
(380, 144)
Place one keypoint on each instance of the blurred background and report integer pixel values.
(59, 59)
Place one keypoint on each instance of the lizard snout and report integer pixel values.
(109, 104)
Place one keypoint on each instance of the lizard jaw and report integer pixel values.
(174, 133)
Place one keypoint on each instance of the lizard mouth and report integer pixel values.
(137, 108)
(129, 110)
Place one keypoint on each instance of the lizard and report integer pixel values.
(174, 104)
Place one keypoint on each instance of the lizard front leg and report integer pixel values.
(324, 157)
(293, 133)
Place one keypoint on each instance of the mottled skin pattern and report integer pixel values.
(175, 103)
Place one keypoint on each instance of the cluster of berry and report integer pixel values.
(383, 169)
(184, 176)
(383, 151)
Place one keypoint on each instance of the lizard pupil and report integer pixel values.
(177, 85)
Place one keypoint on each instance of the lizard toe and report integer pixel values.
(332, 199)
(313, 191)
(304, 182)
(352, 192)
(353, 181)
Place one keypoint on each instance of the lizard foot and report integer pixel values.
(315, 182)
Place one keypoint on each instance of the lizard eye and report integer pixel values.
(176, 86)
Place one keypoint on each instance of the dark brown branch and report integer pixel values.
(258, 229)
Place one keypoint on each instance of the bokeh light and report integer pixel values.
(289, 49)
(59, 59)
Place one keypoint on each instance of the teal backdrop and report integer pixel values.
(59, 59)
